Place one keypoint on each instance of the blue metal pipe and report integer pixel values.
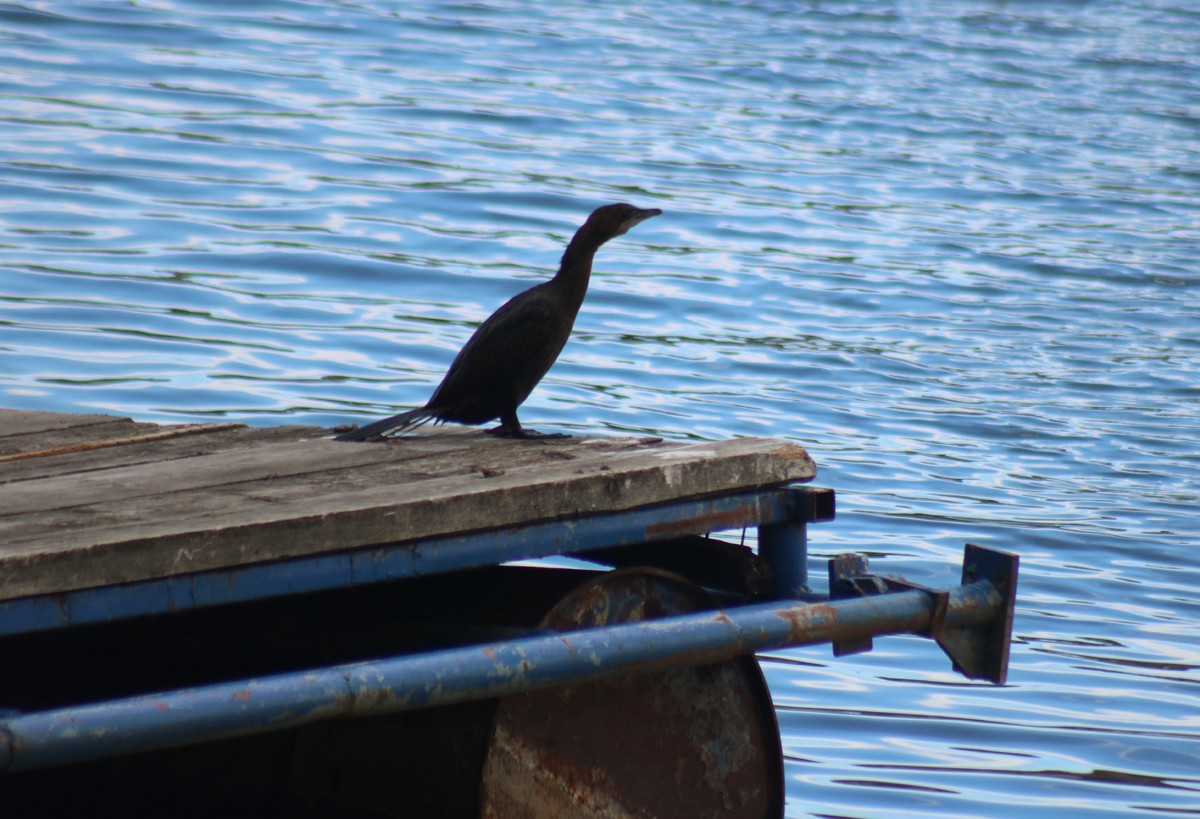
(76, 734)
(783, 541)
(785, 547)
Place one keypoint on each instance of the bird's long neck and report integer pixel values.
(575, 269)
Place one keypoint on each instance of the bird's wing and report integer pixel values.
(518, 342)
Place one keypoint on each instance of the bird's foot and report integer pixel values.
(528, 434)
(534, 435)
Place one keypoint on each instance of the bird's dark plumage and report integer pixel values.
(510, 352)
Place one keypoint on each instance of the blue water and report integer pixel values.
(949, 247)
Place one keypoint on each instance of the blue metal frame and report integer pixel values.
(971, 621)
(779, 512)
(79, 733)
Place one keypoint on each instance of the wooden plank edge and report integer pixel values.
(341, 522)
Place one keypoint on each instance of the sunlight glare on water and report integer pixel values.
(949, 248)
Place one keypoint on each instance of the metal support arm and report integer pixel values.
(74, 734)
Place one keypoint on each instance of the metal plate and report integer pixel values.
(696, 742)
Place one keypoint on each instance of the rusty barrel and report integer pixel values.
(695, 741)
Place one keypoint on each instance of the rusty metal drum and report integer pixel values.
(698, 741)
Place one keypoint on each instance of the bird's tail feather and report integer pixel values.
(389, 426)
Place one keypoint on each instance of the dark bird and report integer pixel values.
(510, 352)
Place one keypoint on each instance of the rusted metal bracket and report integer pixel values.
(978, 652)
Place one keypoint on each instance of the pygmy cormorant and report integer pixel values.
(510, 352)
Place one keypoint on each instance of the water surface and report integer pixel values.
(950, 248)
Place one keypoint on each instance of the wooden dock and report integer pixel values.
(90, 501)
(205, 607)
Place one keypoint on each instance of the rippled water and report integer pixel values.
(949, 247)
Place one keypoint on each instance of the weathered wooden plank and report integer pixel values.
(147, 451)
(100, 428)
(458, 453)
(306, 473)
(328, 510)
(24, 422)
(138, 481)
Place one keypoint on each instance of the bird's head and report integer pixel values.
(613, 220)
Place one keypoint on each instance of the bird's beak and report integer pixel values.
(641, 216)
